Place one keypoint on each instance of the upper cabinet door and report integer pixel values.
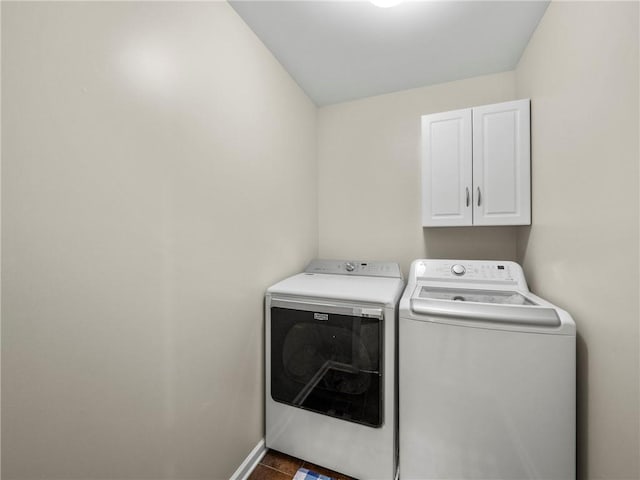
(446, 169)
(502, 164)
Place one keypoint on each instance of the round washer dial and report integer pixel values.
(458, 269)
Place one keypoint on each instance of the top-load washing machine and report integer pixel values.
(330, 366)
(487, 376)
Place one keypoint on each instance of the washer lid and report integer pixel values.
(500, 297)
(488, 306)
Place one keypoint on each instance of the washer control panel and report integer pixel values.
(355, 267)
(472, 271)
(458, 269)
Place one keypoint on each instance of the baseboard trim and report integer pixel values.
(249, 463)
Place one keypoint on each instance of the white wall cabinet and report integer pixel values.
(476, 166)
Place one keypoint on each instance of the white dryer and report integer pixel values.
(486, 376)
(330, 366)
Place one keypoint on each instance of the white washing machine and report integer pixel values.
(487, 376)
(330, 366)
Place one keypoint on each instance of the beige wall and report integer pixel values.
(581, 70)
(159, 173)
(369, 177)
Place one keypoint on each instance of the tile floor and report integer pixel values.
(279, 466)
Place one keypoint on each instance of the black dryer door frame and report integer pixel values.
(328, 358)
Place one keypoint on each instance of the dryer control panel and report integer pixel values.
(355, 267)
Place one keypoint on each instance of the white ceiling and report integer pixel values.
(343, 50)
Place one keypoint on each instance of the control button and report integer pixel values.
(458, 269)
(350, 266)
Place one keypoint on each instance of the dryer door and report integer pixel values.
(328, 359)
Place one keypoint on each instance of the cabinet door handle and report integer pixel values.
(467, 189)
(478, 196)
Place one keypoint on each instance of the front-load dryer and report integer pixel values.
(330, 366)
(487, 376)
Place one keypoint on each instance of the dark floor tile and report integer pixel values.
(281, 462)
(326, 471)
(262, 472)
